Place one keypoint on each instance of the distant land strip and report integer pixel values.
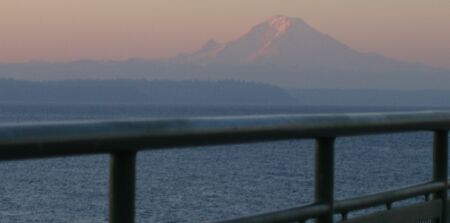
(196, 92)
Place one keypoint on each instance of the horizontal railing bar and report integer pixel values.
(423, 212)
(92, 137)
(285, 216)
(363, 202)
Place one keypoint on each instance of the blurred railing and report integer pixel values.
(123, 139)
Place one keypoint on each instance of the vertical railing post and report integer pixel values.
(324, 176)
(122, 187)
(440, 168)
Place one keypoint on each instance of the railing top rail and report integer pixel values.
(64, 138)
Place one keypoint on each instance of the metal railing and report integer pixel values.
(123, 139)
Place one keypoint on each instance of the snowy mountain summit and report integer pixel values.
(279, 40)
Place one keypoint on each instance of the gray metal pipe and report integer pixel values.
(59, 139)
(285, 216)
(362, 202)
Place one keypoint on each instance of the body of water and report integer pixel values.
(201, 184)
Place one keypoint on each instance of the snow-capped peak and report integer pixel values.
(280, 23)
(278, 40)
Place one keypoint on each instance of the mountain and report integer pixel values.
(281, 51)
(282, 41)
(286, 42)
(288, 52)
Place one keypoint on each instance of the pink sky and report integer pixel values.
(63, 30)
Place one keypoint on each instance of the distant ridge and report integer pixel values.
(207, 93)
(143, 92)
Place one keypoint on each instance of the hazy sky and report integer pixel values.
(61, 30)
